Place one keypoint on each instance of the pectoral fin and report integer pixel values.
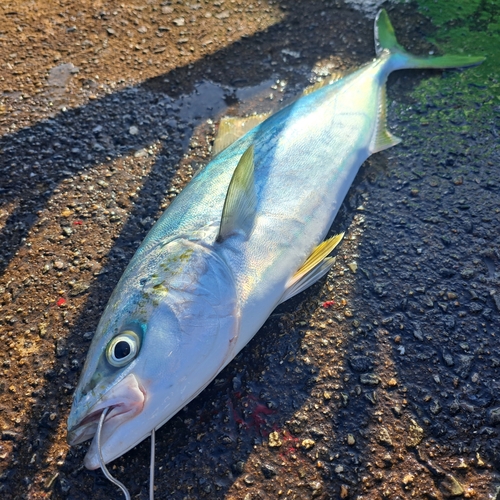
(315, 267)
(241, 200)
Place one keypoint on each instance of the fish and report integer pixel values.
(246, 234)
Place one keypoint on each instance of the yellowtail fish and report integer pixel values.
(245, 235)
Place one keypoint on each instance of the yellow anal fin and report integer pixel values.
(382, 139)
(232, 128)
(315, 267)
(241, 199)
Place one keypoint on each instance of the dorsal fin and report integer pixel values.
(241, 199)
(323, 83)
(316, 266)
(382, 139)
(232, 128)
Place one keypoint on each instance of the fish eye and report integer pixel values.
(123, 348)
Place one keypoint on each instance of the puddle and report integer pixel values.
(210, 100)
(59, 78)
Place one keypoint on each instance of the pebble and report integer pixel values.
(308, 443)
(369, 379)
(78, 288)
(360, 364)
(59, 264)
(451, 487)
(350, 440)
(249, 480)
(133, 130)
(268, 471)
(384, 437)
(409, 478)
(274, 440)
(344, 491)
(495, 416)
(179, 21)
(9, 435)
(415, 435)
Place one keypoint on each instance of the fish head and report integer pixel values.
(171, 324)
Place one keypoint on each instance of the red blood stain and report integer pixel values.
(252, 414)
(61, 301)
(328, 304)
(289, 445)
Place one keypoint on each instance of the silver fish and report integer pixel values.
(245, 235)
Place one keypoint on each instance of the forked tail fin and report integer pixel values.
(385, 40)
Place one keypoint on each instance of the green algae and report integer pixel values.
(468, 27)
(449, 125)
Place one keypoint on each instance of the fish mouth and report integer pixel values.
(125, 401)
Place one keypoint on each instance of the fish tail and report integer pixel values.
(385, 40)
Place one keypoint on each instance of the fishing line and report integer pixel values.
(101, 460)
(152, 467)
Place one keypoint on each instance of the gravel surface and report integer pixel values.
(381, 381)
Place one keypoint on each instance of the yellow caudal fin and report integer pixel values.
(315, 267)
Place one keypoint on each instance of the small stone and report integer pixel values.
(274, 440)
(415, 435)
(448, 359)
(353, 266)
(392, 382)
(78, 287)
(350, 440)
(268, 471)
(495, 416)
(369, 379)
(167, 10)
(249, 479)
(223, 15)
(67, 231)
(360, 364)
(344, 491)
(142, 30)
(435, 407)
(450, 487)
(384, 437)
(339, 469)
(179, 21)
(133, 130)
(409, 478)
(480, 462)
(9, 435)
(238, 467)
(42, 329)
(59, 264)
(308, 444)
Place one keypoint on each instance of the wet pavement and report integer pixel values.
(380, 381)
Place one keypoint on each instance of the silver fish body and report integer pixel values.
(228, 250)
